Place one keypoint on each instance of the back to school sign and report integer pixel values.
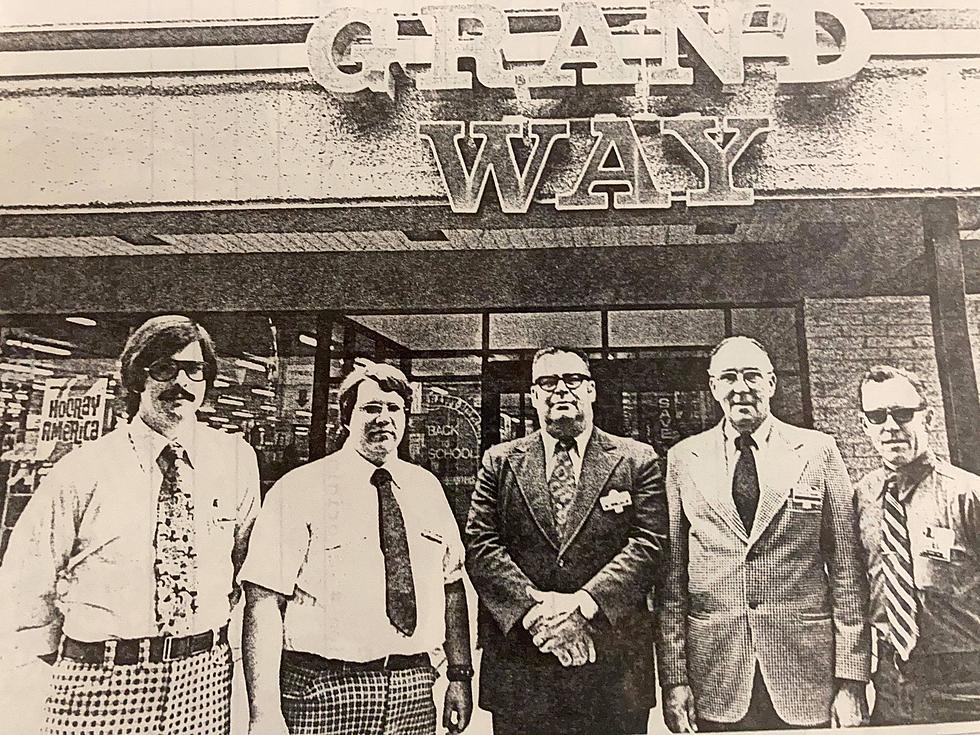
(72, 412)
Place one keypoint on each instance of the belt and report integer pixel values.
(127, 651)
(934, 668)
(394, 662)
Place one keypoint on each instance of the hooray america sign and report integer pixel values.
(616, 171)
(353, 49)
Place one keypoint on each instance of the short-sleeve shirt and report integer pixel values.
(943, 517)
(317, 542)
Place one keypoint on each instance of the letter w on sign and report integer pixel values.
(495, 157)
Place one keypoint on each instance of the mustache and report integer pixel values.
(176, 392)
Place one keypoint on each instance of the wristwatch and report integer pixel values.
(462, 672)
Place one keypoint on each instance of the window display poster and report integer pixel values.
(73, 411)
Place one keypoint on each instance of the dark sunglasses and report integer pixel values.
(167, 369)
(901, 415)
(572, 381)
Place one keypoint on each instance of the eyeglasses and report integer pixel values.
(549, 383)
(751, 376)
(167, 369)
(901, 415)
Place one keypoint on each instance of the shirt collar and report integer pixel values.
(910, 476)
(149, 443)
(581, 441)
(760, 436)
(362, 468)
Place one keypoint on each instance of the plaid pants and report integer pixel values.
(191, 696)
(325, 702)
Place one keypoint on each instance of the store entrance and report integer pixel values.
(658, 397)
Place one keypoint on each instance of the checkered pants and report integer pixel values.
(191, 696)
(318, 702)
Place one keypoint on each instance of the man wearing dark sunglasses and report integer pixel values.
(564, 539)
(123, 565)
(920, 526)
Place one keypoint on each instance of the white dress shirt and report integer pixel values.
(83, 548)
(761, 437)
(317, 542)
(576, 451)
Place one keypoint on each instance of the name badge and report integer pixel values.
(937, 543)
(805, 499)
(615, 501)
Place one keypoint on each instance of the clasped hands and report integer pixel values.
(557, 626)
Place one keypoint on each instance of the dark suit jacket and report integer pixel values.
(512, 543)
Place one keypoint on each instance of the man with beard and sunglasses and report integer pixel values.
(565, 538)
(920, 526)
(123, 565)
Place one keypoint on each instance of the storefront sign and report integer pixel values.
(72, 413)
(352, 49)
(616, 159)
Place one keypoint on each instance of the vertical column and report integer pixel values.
(954, 355)
(321, 385)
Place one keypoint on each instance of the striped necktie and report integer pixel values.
(561, 484)
(900, 601)
(175, 562)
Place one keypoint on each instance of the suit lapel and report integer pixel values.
(598, 463)
(711, 478)
(529, 468)
(784, 465)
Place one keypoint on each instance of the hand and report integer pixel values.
(550, 610)
(570, 640)
(850, 706)
(271, 724)
(457, 707)
(680, 714)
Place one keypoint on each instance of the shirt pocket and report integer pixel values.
(332, 566)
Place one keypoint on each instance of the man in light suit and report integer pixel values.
(763, 617)
(564, 540)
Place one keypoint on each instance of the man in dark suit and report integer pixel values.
(565, 538)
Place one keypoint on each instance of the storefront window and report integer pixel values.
(59, 389)
(666, 327)
(530, 331)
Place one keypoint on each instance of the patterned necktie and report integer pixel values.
(900, 601)
(175, 565)
(562, 483)
(745, 481)
(399, 585)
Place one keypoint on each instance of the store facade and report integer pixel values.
(453, 187)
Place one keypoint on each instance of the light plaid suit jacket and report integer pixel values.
(792, 595)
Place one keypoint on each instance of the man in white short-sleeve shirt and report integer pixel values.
(354, 573)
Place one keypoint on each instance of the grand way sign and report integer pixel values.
(616, 170)
(353, 49)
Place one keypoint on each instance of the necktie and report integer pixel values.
(175, 564)
(399, 586)
(562, 483)
(900, 601)
(745, 481)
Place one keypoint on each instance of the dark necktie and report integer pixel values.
(745, 481)
(562, 483)
(175, 562)
(399, 586)
(901, 605)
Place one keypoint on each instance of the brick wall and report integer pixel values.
(844, 338)
(973, 317)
